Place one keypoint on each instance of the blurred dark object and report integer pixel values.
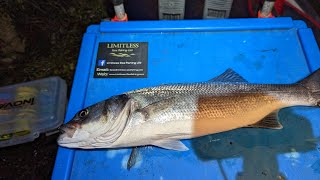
(51, 32)
(149, 9)
(194, 9)
(11, 43)
(312, 21)
(33, 160)
(306, 10)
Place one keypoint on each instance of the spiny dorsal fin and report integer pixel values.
(229, 76)
(270, 122)
(171, 144)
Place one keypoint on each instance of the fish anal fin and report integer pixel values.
(229, 76)
(171, 144)
(270, 122)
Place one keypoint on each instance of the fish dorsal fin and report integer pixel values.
(229, 76)
(171, 144)
(270, 122)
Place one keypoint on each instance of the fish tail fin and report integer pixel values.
(312, 83)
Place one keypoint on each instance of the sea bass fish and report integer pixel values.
(165, 114)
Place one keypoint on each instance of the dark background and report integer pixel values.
(41, 38)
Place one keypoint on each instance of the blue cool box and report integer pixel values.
(277, 50)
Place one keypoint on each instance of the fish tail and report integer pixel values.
(312, 83)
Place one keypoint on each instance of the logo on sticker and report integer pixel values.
(102, 62)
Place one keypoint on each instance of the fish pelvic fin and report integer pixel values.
(270, 122)
(133, 158)
(171, 144)
(312, 83)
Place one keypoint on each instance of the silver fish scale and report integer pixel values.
(150, 95)
(182, 108)
(217, 88)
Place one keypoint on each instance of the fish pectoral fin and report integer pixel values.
(171, 144)
(157, 107)
(229, 76)
(270, 121)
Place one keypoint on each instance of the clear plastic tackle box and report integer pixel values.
(28, 109)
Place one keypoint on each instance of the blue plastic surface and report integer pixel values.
(276, 50)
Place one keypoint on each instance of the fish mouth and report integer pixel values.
(67, 129)
(72, 136)
(61, 130)
(66, 141)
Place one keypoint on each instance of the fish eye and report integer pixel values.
(83, 113)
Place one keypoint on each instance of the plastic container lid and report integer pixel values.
(28, 109)
(262, 50)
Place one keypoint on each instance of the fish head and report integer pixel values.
(101, 119)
